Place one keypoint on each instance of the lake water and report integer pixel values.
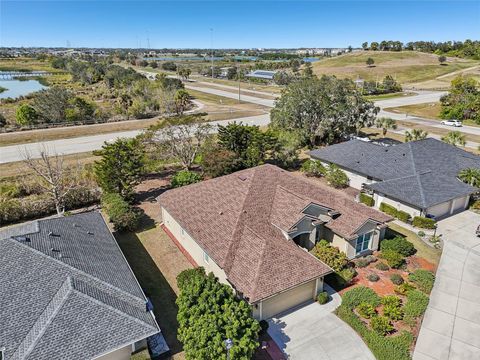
(16, 88)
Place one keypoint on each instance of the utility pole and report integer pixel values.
(238, 77)
(211, 43)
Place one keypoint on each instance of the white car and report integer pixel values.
(455, 123)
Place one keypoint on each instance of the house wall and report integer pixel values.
(379, 198)
(120, 354)
(195, 251)
(448, 208)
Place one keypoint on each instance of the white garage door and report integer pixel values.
(459, 204)
(288, 299)
(440, 210)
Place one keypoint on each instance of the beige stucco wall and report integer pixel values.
(120, 354)
(195, 251)
(355, 180)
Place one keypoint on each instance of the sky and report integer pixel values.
(233, 24)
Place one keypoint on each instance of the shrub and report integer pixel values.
(416, 304)
(402, 289)
(367, 200)
(393, 258)
(373, 277)
(362, 294)
(394, 313)
(381, 325)
(391, 300)
(423, 279)
(330, 255)
(365, 261)
(383, 348)
(366, 310)
(423, 222)
(343, 277)
(263, 326)
(313, 168)
(421, 233)
(185, 177)
(390, 210)
(397, 279)
(322, 297)
(336, 177)
(121, 214)
(382, 266)
(399, 244)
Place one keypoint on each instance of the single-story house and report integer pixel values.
(253, 230)
(67, 292)
(262, 74)
(418, 177)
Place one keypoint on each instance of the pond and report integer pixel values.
(16, 88)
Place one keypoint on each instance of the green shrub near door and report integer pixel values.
(399, 214)
(367, 200)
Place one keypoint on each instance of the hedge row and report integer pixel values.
(399, 214)
(383, 348)
(36, 206)
(423, 222)
(367, 200)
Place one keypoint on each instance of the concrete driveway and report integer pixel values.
(451, 326)
(313, 332)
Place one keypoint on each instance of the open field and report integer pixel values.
(406, 66)
(26, 64)
(245, 85)
(17, 168)
(233, 91)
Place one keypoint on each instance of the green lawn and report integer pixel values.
(387, 96)
(423, 250)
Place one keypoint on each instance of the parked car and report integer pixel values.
(455, 123)
(478, 230)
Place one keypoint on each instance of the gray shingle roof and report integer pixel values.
(421, 173)
(78, 301)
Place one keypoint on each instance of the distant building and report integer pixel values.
(262, 74)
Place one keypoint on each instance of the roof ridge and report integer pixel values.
(42, 322)
(417, 175)
(51, 258)
(293, 193)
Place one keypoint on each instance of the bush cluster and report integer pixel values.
(404, 288)
(373, 277)
(336, 177)
(423, 279)
(123, 216)
(392, 307)
(393, 258)
(382, 266)
(366, 310)
(358, 295)
(367, 200)
(423, 222)
(398, 244)
(381, 325)
(397, 279)
(416, 304)
(313, 168)
(399, 214)
(185, 177)
(365, 261)
(330, 255)
(322, 298)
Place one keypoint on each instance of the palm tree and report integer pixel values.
(385, 123)
(182, 100)
(415, 134)
(470, 176)
(454, 138)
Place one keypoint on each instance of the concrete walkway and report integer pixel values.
(313, 332)
(451, 325)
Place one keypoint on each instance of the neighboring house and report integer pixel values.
(418, 177)
(67, 292)
(253, 228)
(262, 74)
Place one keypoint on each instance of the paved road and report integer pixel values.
(231, 95)
(451, 325)
(95, 142)
(313, 332)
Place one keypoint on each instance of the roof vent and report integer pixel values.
(242, 177)
(51, 233)
(220, 213)
(75, 225)
(23, 238)
(90, 232)
(2, 352)
(54, 250)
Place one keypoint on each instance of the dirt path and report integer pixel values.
(458, 72)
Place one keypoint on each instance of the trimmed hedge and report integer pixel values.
(399, 214)
(423, 279)
(423, 222)
(391, 348)
(399, 244)
(367, 200)
(393, 258)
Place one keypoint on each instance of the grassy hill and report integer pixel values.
(408, 67)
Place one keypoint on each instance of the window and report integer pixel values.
(363, 242)
(206, 258)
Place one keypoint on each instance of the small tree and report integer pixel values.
(336, 177)
(454, 138)
(370, 62)
(415, 134)
(26, 115)
(121, 166)
(185, 177)
(3, 121)
(54, 178)
(470, 176)
(182, 101)
(385, 124)
(442, 59)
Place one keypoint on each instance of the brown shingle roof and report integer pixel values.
(238, 220)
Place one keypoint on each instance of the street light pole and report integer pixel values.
(238, 76)
(228, 345)
(211, 43)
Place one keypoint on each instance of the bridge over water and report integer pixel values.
(11, 75)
